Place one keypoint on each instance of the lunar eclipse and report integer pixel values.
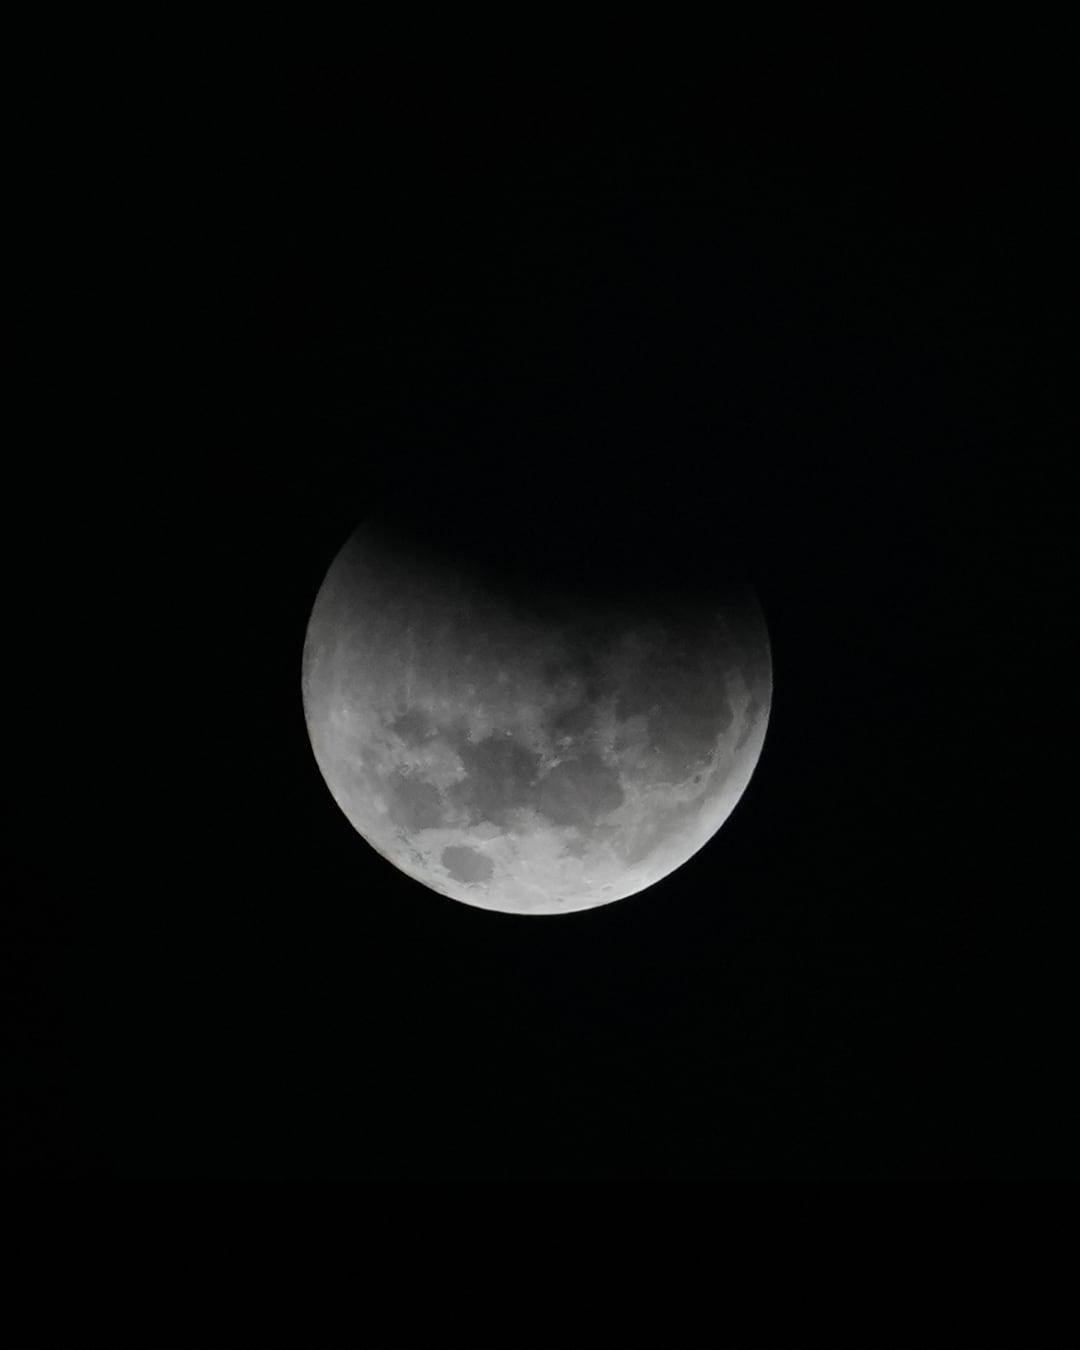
(520, 743)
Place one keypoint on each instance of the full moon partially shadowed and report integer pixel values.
(541, 725)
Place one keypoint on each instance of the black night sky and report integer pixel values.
(824, 332)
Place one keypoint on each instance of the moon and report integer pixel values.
(529, 738)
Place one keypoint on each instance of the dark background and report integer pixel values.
(820, 327)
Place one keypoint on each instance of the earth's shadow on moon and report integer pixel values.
(623, 551)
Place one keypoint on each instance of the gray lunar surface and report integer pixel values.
(533, 754)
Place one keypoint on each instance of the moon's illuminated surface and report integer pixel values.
(535, 754)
